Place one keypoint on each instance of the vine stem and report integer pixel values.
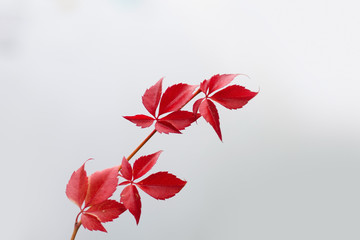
(141, 144)
(78, 224)
(76, 229)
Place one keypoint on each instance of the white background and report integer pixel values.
(288, 167)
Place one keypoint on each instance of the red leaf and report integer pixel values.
(102, 184)
(165, 127)
(77, 186)
(217, 82)
(140, 120)
(204, 86)
(197, 105)
(131, 199)
(180, 119)
(209, 112)
(91, 222)
(107, 210)
(152, 96)
(233, 97)
(175, 97)
(161, 185)
(126, 170)
(124, 183)
(143, 164)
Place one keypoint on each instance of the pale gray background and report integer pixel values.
(289, 164)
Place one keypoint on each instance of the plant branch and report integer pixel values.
(76, 228)
(78, 224)
(141, 144)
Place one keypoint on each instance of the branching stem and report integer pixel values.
(78, 224)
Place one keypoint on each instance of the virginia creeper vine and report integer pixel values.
(92, 193)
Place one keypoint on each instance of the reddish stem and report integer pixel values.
(141, 144)
(76, 229)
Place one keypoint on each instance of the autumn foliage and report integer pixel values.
(92, 193)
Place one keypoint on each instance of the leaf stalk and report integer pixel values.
(76, 229)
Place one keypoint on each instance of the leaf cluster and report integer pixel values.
(92, 194)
